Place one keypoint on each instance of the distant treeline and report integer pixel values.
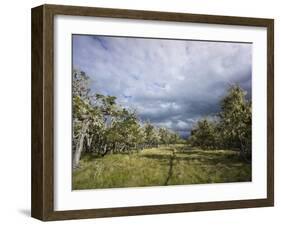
(231, 128)
(102, 126)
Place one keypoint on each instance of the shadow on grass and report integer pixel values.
(186, 148)
(156, 156)
(185, 153)
(201, 158)
(90, 156)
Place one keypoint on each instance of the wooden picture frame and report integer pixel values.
(42, 203)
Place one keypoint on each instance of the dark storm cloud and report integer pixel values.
(170, 83)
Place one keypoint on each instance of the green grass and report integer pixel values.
(173, 165)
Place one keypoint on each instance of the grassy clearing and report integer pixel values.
(173, 165)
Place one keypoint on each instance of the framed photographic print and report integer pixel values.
(141, 112)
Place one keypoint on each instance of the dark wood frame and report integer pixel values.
(42, 203)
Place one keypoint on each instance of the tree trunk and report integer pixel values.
(79, 146)
(105, 150)
(89, 143)
(243, 151)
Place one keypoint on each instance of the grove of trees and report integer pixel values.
(101, 126)
(230, 129)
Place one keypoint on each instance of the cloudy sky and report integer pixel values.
(170, 83)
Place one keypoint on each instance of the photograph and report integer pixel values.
(160, 112)
(138, 112)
